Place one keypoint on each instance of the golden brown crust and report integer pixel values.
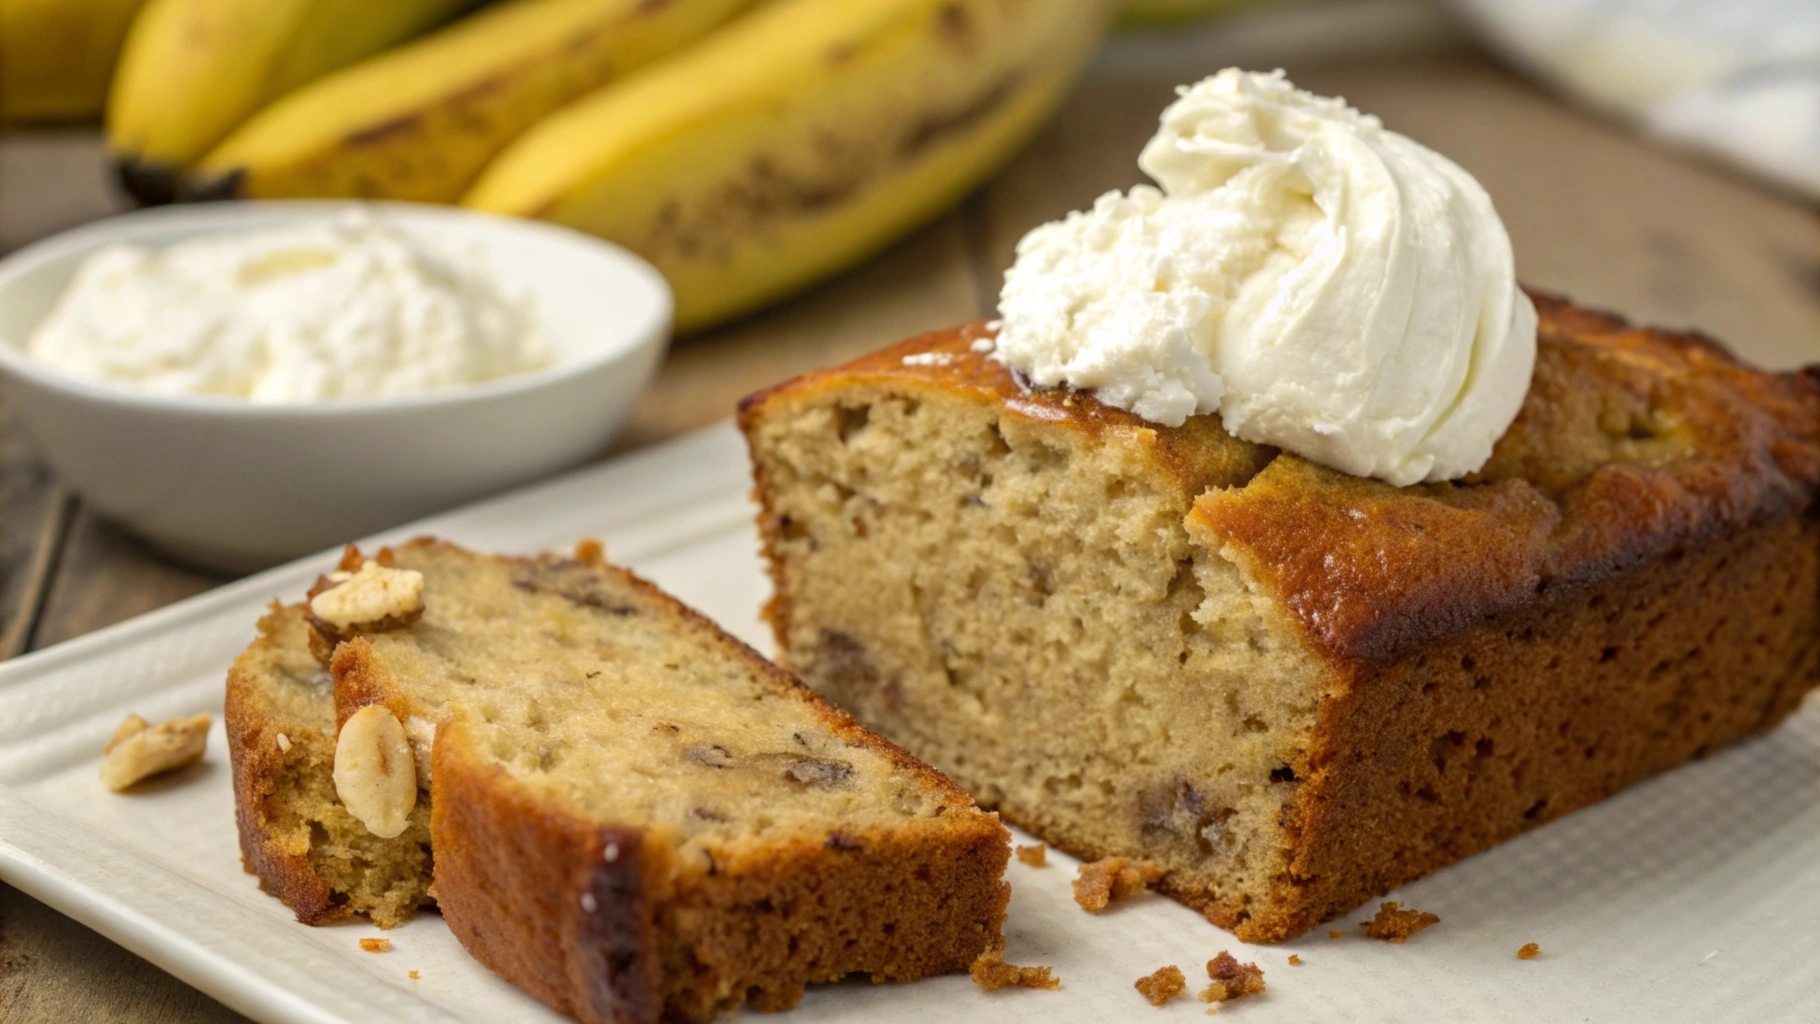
(1631, 443)
(510, 875)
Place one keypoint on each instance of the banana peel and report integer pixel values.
(57, 56)
(191, 70)
(797, 140)
(420, 121)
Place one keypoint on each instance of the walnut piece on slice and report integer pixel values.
(138, 751)
(372, 598)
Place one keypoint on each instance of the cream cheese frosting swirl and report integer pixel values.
(1325, 285)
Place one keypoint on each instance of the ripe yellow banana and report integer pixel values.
(56, 56)
(193, 69)
(797, 140)
(419, 122)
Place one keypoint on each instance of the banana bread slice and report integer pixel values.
(634, 815)
(1291, 688)
(295, 834)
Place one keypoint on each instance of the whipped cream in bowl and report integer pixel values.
(246, 382)
(351, 306)
(1323, 284)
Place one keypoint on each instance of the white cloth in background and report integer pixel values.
(1737, 78)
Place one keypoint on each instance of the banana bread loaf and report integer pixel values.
(1291, 688)
(633, 815)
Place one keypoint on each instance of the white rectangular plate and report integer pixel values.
(1693, 896)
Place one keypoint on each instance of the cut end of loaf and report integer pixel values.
(1014, 598)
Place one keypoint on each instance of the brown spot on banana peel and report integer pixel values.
(764, 193)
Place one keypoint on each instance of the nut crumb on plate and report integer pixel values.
(1163, 985)
(1394, 924)
(138, 751)
(376, 945)
(992, 973)
(1336, 935)
(1529, 951)
(1112, 879)
(1035, 856)
(413, 975)
(1295, 961)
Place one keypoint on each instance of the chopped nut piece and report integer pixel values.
(1336, 935)
(375, 774)
(1295, 961)
(1036, 856)
(1114, 878)
(284, 743)
(375, 598)
(992, 973)
(136, 752)
(413, 975)
(1231, 979)
(376, 945)
(1529, 951)
(1394, 924)
(1164, 985)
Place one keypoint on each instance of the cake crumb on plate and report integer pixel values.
(1163, 985)
(376, 945)
(1036, 856)
(1231, 979)
(1112, 879)
(1529, 951)
(992, 973)
(1295, 961)
(1394, 924)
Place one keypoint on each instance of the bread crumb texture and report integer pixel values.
(1111, 879)
(992, 973)
(376, 945)
(1163, 985)
(1231, 979)
(1036, 856)
(1529, 951)
(1395, 924)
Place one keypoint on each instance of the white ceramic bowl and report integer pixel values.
(235, 485)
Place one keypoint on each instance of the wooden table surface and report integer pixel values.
(1594, 213)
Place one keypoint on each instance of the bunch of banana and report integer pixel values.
(193, 69)
(56, 56)
(798, 139)
(420, 121)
